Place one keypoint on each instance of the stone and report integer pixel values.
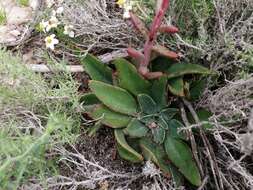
(19, 15)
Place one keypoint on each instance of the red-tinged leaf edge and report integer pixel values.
(165, 52)
(168, 29)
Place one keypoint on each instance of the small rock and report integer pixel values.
(5, 36)
(19, 15)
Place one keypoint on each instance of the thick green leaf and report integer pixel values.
(134, 143)
(158, 134)
(130, 79)
(147, 119)
(96, 69)
(203, 115)
(89, 99)
(180, 154)
(162, 63)
(136, 129)
(113, 97)
(159, 92)
(197, 88)
(155, 153)
(177, 176)
(162, 123)
(89, 102)
(176, 86)
(125, 151)
(147, 104)
(174, 126)
(168, 114)
(109, 117)
(177, 70)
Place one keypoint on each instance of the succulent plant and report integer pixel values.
(137, 109)
(133, 100)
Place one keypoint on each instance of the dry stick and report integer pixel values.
(46, 69)
(192, 139)
(202, 186)
(211, 155)
(41, 68)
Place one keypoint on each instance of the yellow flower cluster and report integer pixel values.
(127, 5)
(53, 22)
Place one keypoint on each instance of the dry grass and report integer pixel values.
(99, 25)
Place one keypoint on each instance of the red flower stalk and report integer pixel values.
(151, 37)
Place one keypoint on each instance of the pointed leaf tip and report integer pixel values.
(109, 117)
(176, 86)
(181, 69)
(180, 154)
(136, 129)
(129, 78)
(96, 69)
(165, 52)
(126, 151)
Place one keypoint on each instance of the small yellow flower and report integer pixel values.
(121, 3)
(127, 5)
(43, 25)
(68, 30)
(51, 41)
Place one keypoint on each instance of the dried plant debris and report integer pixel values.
(232, 45)
(85, 166)
(99, 25)
(232, 101)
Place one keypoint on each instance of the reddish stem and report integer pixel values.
(153, 32)
(139, 25)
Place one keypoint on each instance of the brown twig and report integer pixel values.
(192, 139)
(211, 155)
(106, 58)
(202, 186)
